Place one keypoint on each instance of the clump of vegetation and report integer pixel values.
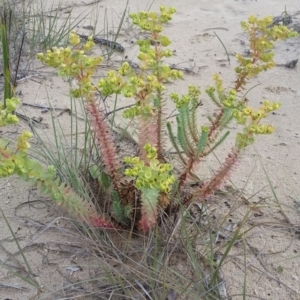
(148, 186)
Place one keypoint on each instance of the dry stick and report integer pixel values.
(249, 295)
(63, 110)
(19, 59)
(216, 28)
(72, 6)
(143, 289)
(42, 106)
(118, 109)
(134, 65)
(288, 220)
(264, 272)
(257, 254)
(28, 77)
(28, 119)
(44, 228)
(274, 278)
(277, 225)
(13, 286)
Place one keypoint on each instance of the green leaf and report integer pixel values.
(226, 117)
(174, 142)
(211, 93)
(202, 142)
(105, 180)
(94, 171)
(119, 211)
(219, 142)
(193, 120)
(182, 138)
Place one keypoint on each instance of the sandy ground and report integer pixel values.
(273, 246)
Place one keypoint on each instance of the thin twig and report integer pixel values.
(118, 109)
(228, 58)
(42, 106)
(30, 120)
(19, 59)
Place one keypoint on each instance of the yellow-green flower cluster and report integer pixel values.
(137, 81)
(262, 36)
(210, 90)
(146, 85)
(153, 84)
(154, 175)
(7, 115)
(115, 83)
(222, 100)
(251, 118)
(74, 38)
(248, 113)
(194, 91)
(152, 21)
(16, 162)
(74, 63)
(7, 167)
(137, 110)
(230, 100)
(149, 57)
(218, 83)
(193, 94)
(85, 89)
(265, 25)
(152, 50)
(112, 83)
(125, 69)
(23, 143)
(151, 151)
(261, 128)
(70, 63)
(247, 66)
(142, 88)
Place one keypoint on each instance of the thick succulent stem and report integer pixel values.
(159, 123)
(104, 140)
(45, 180)
(147, 134)
(67, 198)
(220, 177)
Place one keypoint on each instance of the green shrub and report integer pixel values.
(149, 177)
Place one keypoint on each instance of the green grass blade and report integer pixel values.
(193, 120)
(227, 54)
(226, 117)
(202, 142)
(182, 138)
(31, 281)
(6, 68)
(121, 21)
(233, 240)
(174, 142)
(275, 194)
(219, 142)
(183, 130)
